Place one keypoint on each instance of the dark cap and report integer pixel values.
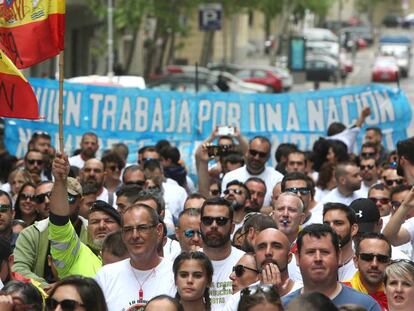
(5, 249)
(367, 214)
(102, 206)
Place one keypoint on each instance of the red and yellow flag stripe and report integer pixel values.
(32, 31)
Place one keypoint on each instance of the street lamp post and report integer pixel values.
(110, 39)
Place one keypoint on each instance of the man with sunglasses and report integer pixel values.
(6, 219)
(256, 158)
(42, 198)
(380, 195)
(89, 145)
(369, 174)
(216, 228)
(134, 175)
(188, 230)
(34, 164)
(318, 258)
(71, 256)
(390, 176)
(238, 195)
(372, 256)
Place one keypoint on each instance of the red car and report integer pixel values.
(385, 69)
(261, 76)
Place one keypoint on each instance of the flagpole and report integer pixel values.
(61, 75)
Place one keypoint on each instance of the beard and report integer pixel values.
(236, 206)
(346, 239)
(216, 241)
(247, 246)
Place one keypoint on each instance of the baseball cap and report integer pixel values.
(102, 206)
(367, 214)
(74, 187)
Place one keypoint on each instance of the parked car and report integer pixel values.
(322, 68)
(408, 21)
(320, 34)
(392, 20)
(398, 46)
(117, 81)
(385, 69)
(183, 83)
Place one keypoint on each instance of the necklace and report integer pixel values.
(141, 291)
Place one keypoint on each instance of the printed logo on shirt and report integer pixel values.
(137, 306)
(219, 291)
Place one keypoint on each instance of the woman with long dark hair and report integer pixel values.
(24, 207)
(193, 274)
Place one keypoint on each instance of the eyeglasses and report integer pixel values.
(4, 208)
(40, 133)
(72, 198)
(33, 161)
(302, 191)
(370, 257)
(251, 290)
(40, 198)
(367, 154)
(392, 164)
(215, 191)
(220, 221)
(369, 166)
(240, 269)
(25, 196)
(261, 154)
(65, 305)
(190, 233)
(141, 229)
(381, 200)
(396, 204)
(234, 191)
(390, 182)
(140, 183)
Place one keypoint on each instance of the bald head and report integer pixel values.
(92, 172)
(272, 234)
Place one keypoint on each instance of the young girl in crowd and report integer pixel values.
(260, 298)
(193, 273)
(164, 303)
(24, 207)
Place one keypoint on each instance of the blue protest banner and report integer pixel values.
(142, 117)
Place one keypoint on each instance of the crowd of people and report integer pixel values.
(327, 229)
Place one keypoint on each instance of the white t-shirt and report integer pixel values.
(409, 226)
(320, 194)
(76, 161)
(294, 271)
(119, 283)
(221, 287)
(174, 197)
(270, 176)
(335, 196)
(347, 271)
(233, 302)
(171, 249)
(104, 196)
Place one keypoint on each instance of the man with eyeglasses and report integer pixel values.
(237, 194)
(34, 164)
(42, 198)
(318, 258)
(256, 158)
(372, 256)
(369, 174)
(369, 150)
(133, 175)
(188, 230)
(272, 254)
(342, 219)
(6, 219)
(32, 245)
(71, 256)
(216, 228)
(405, 159)
(131, 283)
(89, 145)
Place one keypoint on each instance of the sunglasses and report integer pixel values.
(234, 191)
(41, 133)
(215, 192)
(25, 196)
(40, 198)
(65, 305)
(251, 290)
(4, 208)
(367, 154)
(368, 167)
(220, 221)
(254, 153)
(140, 183)
(190, 233)
(381, 200)
(390, 182)
(370, 257)
(72, 198)
(240, 269)
(295, 190)
(33, 161)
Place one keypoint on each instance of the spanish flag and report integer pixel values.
(31, 31)
(17, 99)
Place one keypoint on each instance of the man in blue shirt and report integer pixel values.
(318, 257)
